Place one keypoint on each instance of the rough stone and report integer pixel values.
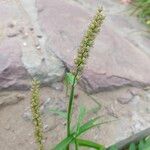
(20, 58)
(126, 98)
(58, 86)
(10, 99)
(114, 61)
(46, 107)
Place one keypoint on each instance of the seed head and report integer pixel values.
(88, 41)
(35, 108)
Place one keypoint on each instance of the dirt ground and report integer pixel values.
(16, 129)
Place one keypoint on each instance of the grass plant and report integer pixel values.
(73, 138)
(71, 79)
(142, 10)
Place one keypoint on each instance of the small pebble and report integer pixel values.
(12, 34)
(39, 36)
(11, 25)
(38, 47)
(21, 30)
(31, 29)
(46, 128)
(25, 35)
(57, 86)
(7, 127)
(24, 44)
(125, 98)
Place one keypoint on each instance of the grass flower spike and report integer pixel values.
(35, 108)
(82, 55)
(71, 78)
(88, 41)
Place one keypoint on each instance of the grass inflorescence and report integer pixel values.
(88, 41)
(36, 115)
(72, 77)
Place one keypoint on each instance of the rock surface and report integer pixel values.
(123, 60)
(117, 58)
(23, 52)
(10, 99)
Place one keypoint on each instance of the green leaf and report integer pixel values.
(94, 110)
(60, 113)
(76, 144)
(88, 125)
(82, 113)
(69, 78)
(113, 147)
(147, 144)
(95, 100)
(141, 145)
(147, 140)
(132, 146)
(87, 143)
(64, 143)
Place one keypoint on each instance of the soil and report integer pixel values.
(16, 131)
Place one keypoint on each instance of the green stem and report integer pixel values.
(66, 89)
(76, 145)
(70, 106)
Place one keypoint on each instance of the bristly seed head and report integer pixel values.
(87, 42)
(35, 108)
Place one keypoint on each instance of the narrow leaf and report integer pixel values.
(147, 143)
(82, 113)
(64, 143)
(76, 144)
(60, 113)
(88, 125)
(113, 147)
(69, 78)
(87, 143)
(141, 145)
(132, 146)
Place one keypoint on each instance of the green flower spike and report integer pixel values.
(35, 108)
(88, 41)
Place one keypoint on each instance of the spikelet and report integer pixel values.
(88, 41)
(35, 108)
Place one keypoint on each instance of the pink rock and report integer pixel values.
(20, 56)
(125, 98)
(12, 71)
(114, 61)
(126, 1)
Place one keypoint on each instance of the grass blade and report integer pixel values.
(141, 145)
(64, 143)
(91, 124)
(87, 143)
(113, 147)
(88, 125)
(69, 78)
(59, 112)
(132, 146)
(76, 144)
(82, 113)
